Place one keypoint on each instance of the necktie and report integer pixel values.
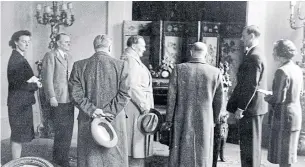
(66, 59)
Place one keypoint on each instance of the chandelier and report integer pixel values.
(294, 17)
(55, 15)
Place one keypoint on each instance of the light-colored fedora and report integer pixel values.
(103, 132)
(150, 122)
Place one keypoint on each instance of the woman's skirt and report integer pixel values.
(283, 147)
(21, 122)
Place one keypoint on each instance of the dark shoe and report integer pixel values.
(223, 159)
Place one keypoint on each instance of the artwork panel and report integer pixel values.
(232, 52)
(212, 45)
(172, 49)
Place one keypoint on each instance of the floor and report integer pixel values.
(43, 148)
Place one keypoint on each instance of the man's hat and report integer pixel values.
(103, 132)
(150, 122)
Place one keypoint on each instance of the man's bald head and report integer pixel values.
(199, 49)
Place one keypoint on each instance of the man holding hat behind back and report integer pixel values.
(195, 99)
(99, 86)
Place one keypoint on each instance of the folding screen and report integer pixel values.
(210, 36)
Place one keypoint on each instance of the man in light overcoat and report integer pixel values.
(139, 144)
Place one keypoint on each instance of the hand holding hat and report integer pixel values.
(149, 122)
(100, 113)
(103, 133)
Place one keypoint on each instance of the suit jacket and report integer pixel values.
(250, 77)
(195, 99)
(55, 73)
(285, 101)
(100, 82)
(20, 92)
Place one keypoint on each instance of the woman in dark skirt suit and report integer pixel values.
(21, 88)
(286, 108)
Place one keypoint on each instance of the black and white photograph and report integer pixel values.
(152, 83)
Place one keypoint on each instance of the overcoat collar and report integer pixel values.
(101, 53)
(130, 52)
(197, 60)
(15, 52)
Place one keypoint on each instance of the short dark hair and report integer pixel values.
(133, 40)
(15, 37)
(253, 29)
(58, 36)
(285, 48)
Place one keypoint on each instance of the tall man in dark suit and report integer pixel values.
(246, 102)
(57, 66)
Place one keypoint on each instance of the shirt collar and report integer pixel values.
(62, 53)
(248, 50)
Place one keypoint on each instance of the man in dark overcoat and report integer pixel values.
(195, 99)
(246, 102)
(99, 86)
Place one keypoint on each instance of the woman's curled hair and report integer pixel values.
(285, 48)
(15, 37)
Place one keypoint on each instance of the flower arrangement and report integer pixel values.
(224, 68)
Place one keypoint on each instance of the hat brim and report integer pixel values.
(103, 133)
(140, 118)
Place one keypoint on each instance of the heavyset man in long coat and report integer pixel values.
(139, 144)
(99, 85)
(246, 102)
(195, 99)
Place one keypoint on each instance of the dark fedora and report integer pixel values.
(103, 132)
(150, 122)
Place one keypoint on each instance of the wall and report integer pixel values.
(90, 21)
